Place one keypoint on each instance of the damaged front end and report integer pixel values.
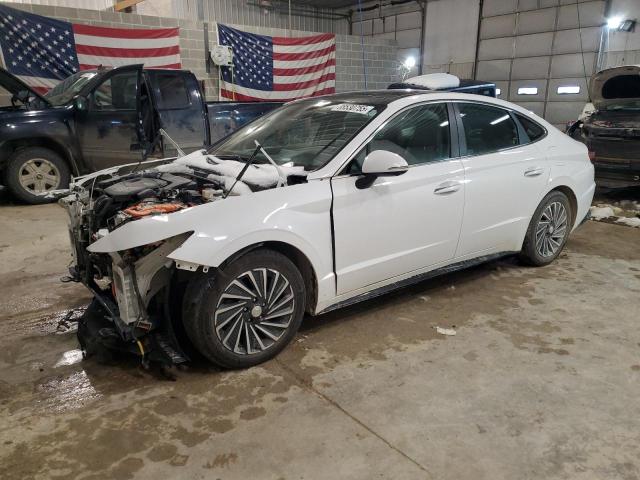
(138, 290)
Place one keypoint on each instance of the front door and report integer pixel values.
(400, 224)
(505, 175)
(109, 129)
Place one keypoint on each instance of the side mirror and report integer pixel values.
(383, 162)
(80, 103)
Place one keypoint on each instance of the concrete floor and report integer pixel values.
(541, 381)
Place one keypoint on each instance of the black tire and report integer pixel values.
(532, 252)
(203, 307)
(16, 167)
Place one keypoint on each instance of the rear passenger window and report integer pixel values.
(173, 91)
(487, 129)
(531, 128)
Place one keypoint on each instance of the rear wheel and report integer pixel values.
(248, 312)
(33, 171)
(548, 230)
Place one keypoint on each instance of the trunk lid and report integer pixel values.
(615, 86)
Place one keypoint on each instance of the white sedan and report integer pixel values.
(322, 203)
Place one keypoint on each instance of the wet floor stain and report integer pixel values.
(80, 417)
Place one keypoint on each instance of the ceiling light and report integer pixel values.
(614, 22)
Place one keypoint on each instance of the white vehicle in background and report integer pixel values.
(322, 203)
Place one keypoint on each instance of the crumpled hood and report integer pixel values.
(615, 84)
(258, 176)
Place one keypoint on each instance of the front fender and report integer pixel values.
(297, 215)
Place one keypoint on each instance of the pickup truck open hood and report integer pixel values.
(13, 85)
(615, 85)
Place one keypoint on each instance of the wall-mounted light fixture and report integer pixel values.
(621, 24)
(410, 62)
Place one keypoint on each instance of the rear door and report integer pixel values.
(505, 175)
(400, 224)
(180, 108)
(109, 129)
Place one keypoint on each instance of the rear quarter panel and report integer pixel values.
(571, 167)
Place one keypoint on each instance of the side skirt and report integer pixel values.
(454, 267)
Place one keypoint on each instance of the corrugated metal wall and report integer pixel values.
(541, 45)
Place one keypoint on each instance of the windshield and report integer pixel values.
(69, 87)
(305, 134)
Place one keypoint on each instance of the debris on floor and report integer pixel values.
(623, 214)
(446, 331)
(629, 221)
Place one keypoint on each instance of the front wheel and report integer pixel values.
(34, 171)
(548, 230)
(248, 312)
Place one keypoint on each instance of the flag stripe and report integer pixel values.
(96, 41)
(305, 77)
(304, 63)
(172, 66)
(283, 87)
(303, 48)
(120, 61)
(126, 52)
(303, 40)
(283, 72)
(125, 32)
(303, 55)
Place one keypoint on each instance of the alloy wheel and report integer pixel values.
(39, 175)
(551, 229)
(254, 311)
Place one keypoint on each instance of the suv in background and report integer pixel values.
(611, 130)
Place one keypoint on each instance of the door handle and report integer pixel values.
(533, 172)
(447, 187)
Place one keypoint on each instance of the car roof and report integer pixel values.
(370, 96)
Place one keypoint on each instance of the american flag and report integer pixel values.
(41, 51)
(277, 68)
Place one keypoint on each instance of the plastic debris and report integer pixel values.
(446, 331)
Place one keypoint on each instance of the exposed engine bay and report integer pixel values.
(137, 290)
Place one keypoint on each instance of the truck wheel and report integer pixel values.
(248, 312)
(35, 170)
(548, 230)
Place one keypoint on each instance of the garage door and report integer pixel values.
(541, 53)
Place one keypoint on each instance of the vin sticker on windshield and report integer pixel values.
(352, 107)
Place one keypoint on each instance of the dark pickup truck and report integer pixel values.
(101, 118)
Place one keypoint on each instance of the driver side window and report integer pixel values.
(419, 135)
(117, 92)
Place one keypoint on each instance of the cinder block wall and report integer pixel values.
(379, 54)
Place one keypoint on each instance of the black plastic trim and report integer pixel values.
(454, 267)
